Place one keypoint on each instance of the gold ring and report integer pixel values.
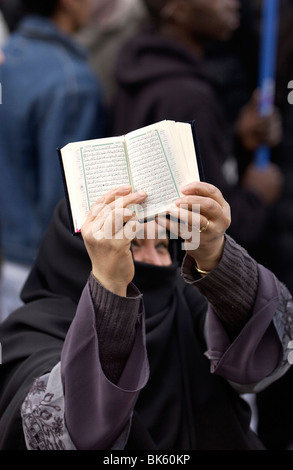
(204, 229)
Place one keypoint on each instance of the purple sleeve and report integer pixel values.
(248, 324)
(256, 351)
(97, 411)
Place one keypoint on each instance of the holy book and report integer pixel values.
(158, 159)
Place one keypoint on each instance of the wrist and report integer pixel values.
(116, 287)
(201, 271)
(206, 262)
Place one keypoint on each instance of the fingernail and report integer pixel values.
(187, 188)
(141, 193)
(123, 189)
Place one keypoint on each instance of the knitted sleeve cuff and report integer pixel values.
(116, 320)
(230, 288)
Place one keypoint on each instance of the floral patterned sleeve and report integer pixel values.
(52, 419)
(43, 416)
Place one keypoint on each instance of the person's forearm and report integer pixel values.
(90, 396)
(230, 288)
(116, 320)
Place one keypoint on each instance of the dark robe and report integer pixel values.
(183, 406)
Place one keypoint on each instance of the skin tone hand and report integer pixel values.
(214, 216)
(254, 130)
(267, 183)
(108, 243)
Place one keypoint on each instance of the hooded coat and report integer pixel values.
(159, 78)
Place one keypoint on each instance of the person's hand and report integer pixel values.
(254, 130)
(107, 234)
(267, 183)
(208, 224)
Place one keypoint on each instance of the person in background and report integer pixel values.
(50, 97)
(112, 22)
(119, 347)
(275, 425)
(162, 73)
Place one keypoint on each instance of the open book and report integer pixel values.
(159, 159)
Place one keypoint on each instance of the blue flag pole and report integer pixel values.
(267, 70)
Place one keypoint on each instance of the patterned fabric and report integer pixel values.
(283, 321)
(43, 414)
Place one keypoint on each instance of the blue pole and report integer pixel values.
(267, 70)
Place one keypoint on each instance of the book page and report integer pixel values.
(187, 144)
(96, 167)
(155, 167)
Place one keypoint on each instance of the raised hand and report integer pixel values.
(107, 233)
(203, 218)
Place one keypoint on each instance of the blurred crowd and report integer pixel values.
(107, 67)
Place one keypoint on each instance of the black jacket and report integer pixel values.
(158, 79)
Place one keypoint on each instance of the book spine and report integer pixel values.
(66, 195)
(197, 151)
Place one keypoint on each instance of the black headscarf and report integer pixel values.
(182, 407)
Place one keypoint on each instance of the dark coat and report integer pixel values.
(158, 79)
